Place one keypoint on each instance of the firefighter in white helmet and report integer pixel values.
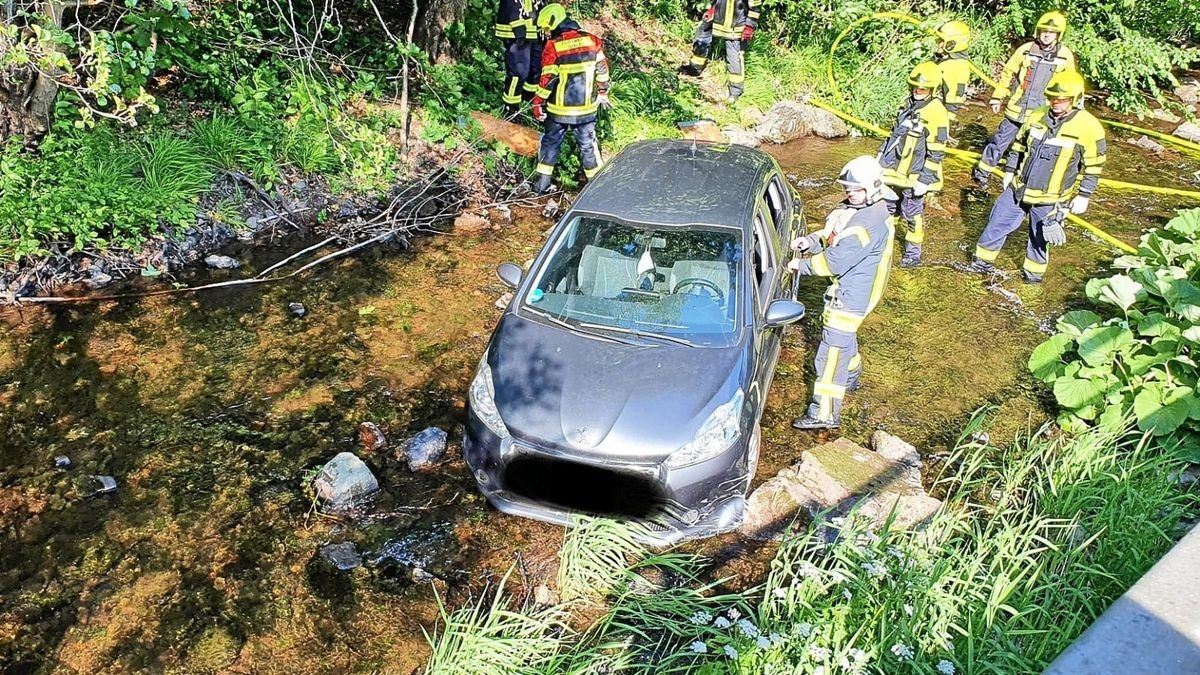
(855, 251)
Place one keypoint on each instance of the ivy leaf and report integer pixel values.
(1074, 393)
(1046, 360)
(1073, 323)
(1156, 416)
(1097, 346)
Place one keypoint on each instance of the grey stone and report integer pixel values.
(98, 280)
(1146, 143)
(1165, 116)
(300, 185)
(221, 262)
(770, 508)
(740, 136)
(550, 210)
(896, 449)
(420, 576)
(503, 300)
(425, 449)
(344, 479)
(343, 556)
(504, 212)
(789, 120)
(1188, 93)
(1188, 131)
(545, 596)
(297, 309)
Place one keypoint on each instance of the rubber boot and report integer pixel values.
(912, 256)
(691, 70)
(1030, 278)
(982, 266)
(810, 423)
(542, 185)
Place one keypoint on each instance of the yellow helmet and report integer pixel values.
(1052, 21)
(925, 76)
(550, 16)
(955, 36)
(1067, 84)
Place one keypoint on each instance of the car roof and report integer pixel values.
(677, 182)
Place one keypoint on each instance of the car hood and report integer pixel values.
(604, 400)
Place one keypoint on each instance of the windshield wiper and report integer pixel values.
(638, 333)
(574, 329)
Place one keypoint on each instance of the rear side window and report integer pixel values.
(778, 202)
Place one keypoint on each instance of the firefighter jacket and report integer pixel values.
(914, 151)
(514, 19)
(730, 15)
(574, 72)
(1053, 154)
(1024, 78)
(858, 256)
(956, 76)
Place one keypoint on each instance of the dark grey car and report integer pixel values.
(628, 375)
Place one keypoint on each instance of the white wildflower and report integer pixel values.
(945, 667)
(776, 638)
(896, 553)
(762, 642)
(846, 594)
(859, 656)
(837, 522)
(730, 652)
(908, 609)
(748, 629)
(877, 570)
(722, 622)
(902, 651)
(808, 569)
(699, 647)
(804, 629)
(733, 614)
(701, 618)
(818, 653)
(836, 576)
(780, 593)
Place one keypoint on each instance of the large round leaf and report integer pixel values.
(1157, 416)
(1098, 345)
(1074, 393)
(1073, 323)
(1046, 360)
(1119, 290)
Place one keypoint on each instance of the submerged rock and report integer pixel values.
(371, 436)
(896, 449)
(424, 450)
(98, 280)
(1146, 143)
(343, 556)
(221, 262)
(298, 310)
(836, 478)
(739, 136)
(1188, 131)
(789, 120)
(344, 479)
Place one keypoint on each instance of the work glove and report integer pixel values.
(710, 13)
(995, 105)
(1054, 233)
(794, 265)
(920, 189)
(602, 101)
(747, 33)
(539, 110)
(801, 244)
(1079, 204)
(1006, 180)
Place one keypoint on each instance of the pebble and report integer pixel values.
(297, 309)
(62, 462)
(502, 301)
(343, 556)
(425, 449)
(221, 262)
(371, 436)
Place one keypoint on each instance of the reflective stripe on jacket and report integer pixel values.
(859, 258)
(1051, 155)
(730, 15)
(1024, 78)
(514, 19)
(574, 71)
(914, 151)
(956, 77)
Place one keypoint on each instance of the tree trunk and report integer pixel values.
(434, 17)
(26, 96)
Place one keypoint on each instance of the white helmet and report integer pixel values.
(863, 173)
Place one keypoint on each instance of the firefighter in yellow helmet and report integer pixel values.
(573, 87)
(1053, 167)
(1023, 84)
(522, 50)
(954, 38)
(733, 21)
(912, 155)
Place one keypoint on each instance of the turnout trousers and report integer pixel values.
(911, 209)
(1007, 215)
(996, 146)
(552, 139)
(522, 69)
(735, 59)
(838, 367)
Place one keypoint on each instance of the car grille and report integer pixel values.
(582, 487)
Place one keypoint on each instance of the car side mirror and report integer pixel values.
(510, 274)
(783, 312)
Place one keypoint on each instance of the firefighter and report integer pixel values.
(855, 250)
(572, 62)
(954, 37)
(912, 156)
(1053, 167)
(1023, 82)
(734, 21)
(522, 50)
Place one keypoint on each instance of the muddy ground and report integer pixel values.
(212, 411)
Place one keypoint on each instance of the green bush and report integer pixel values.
(1139, 355)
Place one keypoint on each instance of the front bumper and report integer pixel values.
(691, 502)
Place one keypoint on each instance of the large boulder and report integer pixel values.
(344, 480)
(789, 120)
(837, 477)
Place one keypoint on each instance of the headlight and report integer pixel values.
(717, 433)
(483, 400)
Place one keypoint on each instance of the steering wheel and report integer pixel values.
(703, 283)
